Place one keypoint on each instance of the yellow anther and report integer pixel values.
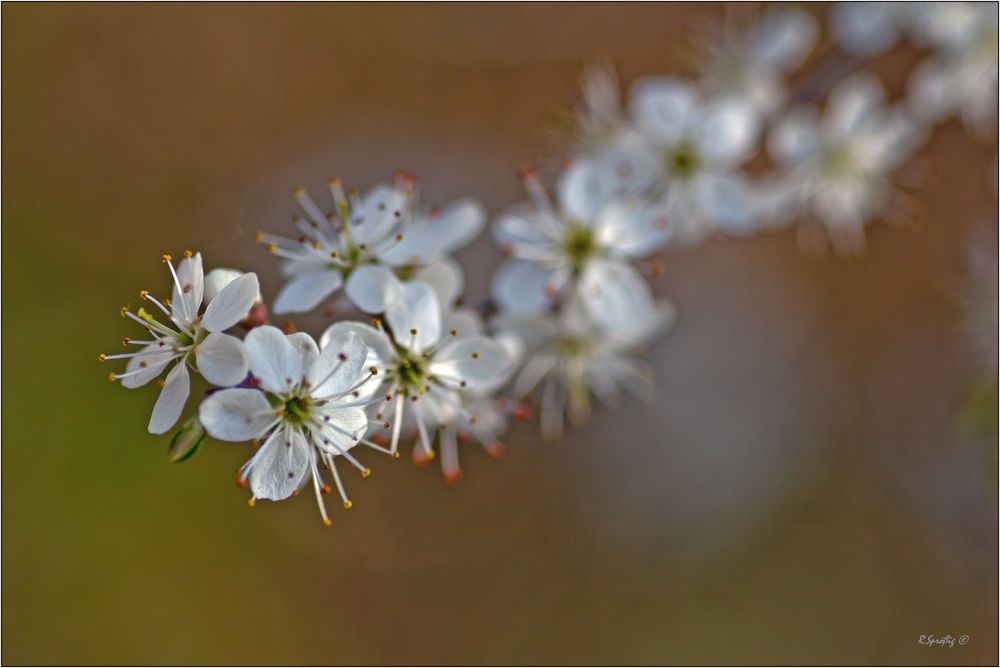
(334, 254)
(374, 370)
(430, 455)
(188, 253)
(348, 504)
(102, 357)
(395, 455)
(475, 356)
(166, 258)
(259, 236)
(111, 376)
(413, 332)
(376, 323)
(126, 340)
(252, 502)
(472, 419)
(454, 332)
(295, 493)
(385, 425)
(399, 237)
(326, 521)
(299, 191)
(166, 301)
(271, 248)
(143, 294)
(388, 397)
(365, 473)
(317, 245)
(333, 182)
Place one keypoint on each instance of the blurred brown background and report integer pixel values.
(805, 492)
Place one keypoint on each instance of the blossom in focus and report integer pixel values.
(571, 358)
(187, 337)
(306, 407)
(960, 77)
(837, 167)
(384, 226)
(427, 360)
(583, 242)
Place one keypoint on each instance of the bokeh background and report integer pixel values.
(806, 490)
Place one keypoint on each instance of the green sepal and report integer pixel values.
(186, 440)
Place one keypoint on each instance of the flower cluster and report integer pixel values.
(768, 133)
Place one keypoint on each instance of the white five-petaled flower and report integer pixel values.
(385, 226)
(422, 360)
(572, 358)
(682, 151)
(583, 242)
(188, 337)
(837, 168)
(307, 409)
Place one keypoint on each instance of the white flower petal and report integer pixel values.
(222, 360)
(728, 133)
(522, 287)
(795, 137)
(416, 307)
(632, 229)
(728, 202)
(664, 107)
(445, 276)
(187, 301)
(464, 322)
(152, 365)
(380, 350)
(274, 361)
(236, 414)
(338, 368)
(518, 231)
(865, 28)
(281, 468)
(372, 288)
(231, 304)
(614, 294)
(433, 236)
(344, 428)
(308, 350)
(171, 401)
(582, 191)
(851, 103)
(382, 208)
(217, 279)
(306, 291)
(784, 38)
(476, 361)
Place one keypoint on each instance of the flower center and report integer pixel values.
(579, 245)
(296, 409)
(681, 161)
(410, 370)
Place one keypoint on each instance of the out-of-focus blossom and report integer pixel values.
(188, 338)
(584, 241)
(837, 166)
(422, 357)
(684, 153)
(572, 358)
(960, 77)
(599, 118)
(306, 407)
(385, 226)
(749, 68)
(866, 29)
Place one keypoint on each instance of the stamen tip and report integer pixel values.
(326, 521)
(348, 505)
(102, 356)
(166, 258)
(252, 502)
(365, 473)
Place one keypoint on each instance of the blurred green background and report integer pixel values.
(805, 492)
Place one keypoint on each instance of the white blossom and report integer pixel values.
(426, 360)
(583, 242)
(385, 226)
(187, 338)
(837, 167)
(306, 407)
(572, 358)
